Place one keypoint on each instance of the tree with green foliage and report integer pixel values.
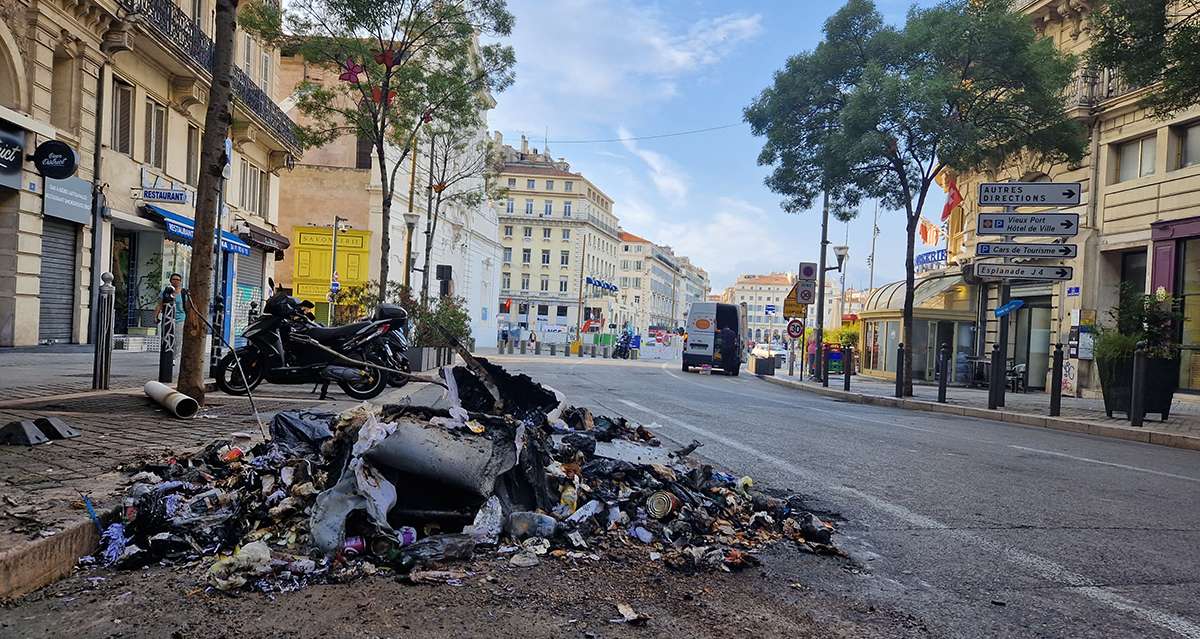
(1151, 42)
(875, 111)
(393, 68)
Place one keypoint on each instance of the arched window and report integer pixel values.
(10, 90)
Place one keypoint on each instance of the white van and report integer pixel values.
(705, 321)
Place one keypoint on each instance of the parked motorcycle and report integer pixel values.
(285, 346)
(621, 350)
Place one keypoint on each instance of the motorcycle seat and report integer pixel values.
(390, 311)
(323, 334)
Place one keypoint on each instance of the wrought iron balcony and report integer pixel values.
(177, 29)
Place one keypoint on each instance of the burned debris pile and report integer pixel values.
(507, 468)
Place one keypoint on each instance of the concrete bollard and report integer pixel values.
(553, 350)
(523, 344)
(605, 352)
(537, 348)
(1056, 382)
(593, 351)
(581, 349)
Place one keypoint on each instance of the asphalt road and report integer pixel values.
(978, 528)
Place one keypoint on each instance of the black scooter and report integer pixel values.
(621, 350)
(285, 346)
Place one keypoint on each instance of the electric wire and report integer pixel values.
(647, 137)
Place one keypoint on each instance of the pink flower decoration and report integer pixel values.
(350, 71)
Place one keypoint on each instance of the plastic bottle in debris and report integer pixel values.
(436, 548)
(522, 524)
(569, 498)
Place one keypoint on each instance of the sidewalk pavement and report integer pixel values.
(44, 526)
(1083, 415)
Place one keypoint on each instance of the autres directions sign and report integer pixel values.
(1015, 249)
(1023, 272)
(1029, 194)
(1044, 224)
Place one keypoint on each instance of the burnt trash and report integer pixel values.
(401, 488)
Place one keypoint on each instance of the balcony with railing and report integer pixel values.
(170, 24)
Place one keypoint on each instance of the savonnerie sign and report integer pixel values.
(1029, 194)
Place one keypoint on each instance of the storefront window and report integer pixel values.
(890, 341)
(1133, 269)
(1188, 288)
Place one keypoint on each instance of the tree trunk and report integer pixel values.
(385, 235)
(217, 120)
(909, 284)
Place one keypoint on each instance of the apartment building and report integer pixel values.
(763, 296)
(124, 84)
(344, 176)
(1139, 218)
(560, 246)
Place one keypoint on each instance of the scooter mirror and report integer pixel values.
(271, 283)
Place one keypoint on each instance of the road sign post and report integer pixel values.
(1013, 194)
(1034, 251)
(1006, 271)
(1011, 224)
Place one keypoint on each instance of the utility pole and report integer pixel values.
(871, 260)
(582, 269)
(334, 284)
(821, 282)
(410, 218)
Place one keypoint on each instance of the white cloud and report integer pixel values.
(670, 181)
(738, 237)
(587, 62)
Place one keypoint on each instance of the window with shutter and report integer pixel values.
(193, 155)
(264, 193)
(363, 152)
(156, 134)
(122, 123)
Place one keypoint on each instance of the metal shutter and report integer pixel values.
(57, 290)
(248, 289)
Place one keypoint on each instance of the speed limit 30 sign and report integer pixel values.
(795, 329)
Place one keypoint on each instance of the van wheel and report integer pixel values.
(733, 371)
(685, 367)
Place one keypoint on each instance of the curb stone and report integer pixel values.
(27, 567)
(1172, 440)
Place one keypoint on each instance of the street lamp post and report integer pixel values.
(334, 284)
(821, 269)
(410, 221)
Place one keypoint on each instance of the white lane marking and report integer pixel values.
(1035, 564)
(1105, 463)
(767, 398)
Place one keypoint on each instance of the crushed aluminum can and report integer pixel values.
(661, 503)
(354, 546)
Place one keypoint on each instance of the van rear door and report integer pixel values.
(702, 326)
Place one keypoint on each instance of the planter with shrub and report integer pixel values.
(1139, 318)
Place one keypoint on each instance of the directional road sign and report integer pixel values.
(1045, 224)
(1023, 272)
(1029, 194)
(1014, 249)
(795, 329)
(1008, 308)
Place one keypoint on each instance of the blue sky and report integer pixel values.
(601, 69)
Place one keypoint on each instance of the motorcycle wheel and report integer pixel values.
(394, 380)
(230, 380)
(370, 388)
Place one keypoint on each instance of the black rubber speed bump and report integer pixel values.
(29, 432)
(56, 428)
(22, 433)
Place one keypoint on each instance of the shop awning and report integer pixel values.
(945, 292)
(181, 228)
(265, 239)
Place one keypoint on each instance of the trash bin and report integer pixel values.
(762, 365)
